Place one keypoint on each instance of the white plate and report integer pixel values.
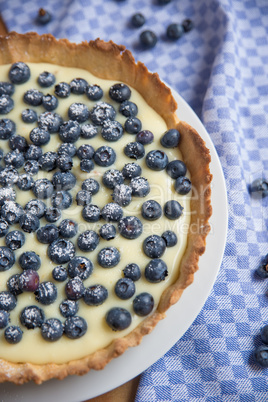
(179, 318)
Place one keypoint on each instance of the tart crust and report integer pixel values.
(110, 61)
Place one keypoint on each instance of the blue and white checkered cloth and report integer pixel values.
(221, 69)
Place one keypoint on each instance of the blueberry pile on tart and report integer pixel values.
(104, 205)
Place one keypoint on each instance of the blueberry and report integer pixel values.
(156, 271)
(83, 197)
(95, 295)
(63, 181)
(91, 185)
(154, 246)
(14, 158)
(104, 156)
(47, 234)
(170, 238)
(85, 151)
(170, 138)
(32, 317)
(111, 130)
(88, 240)
(4, 319)
(86, 165)
(7, 129)
(59, 273)
(151, 210)
(264, 334)
(89, 131)
(67, 148)
(52, 329)
(148, 39)
(7, 258)
(124, 288)
(134, 150)
(34, 152)
(107, 231)
(11, 212)
(176, 168)
(29, 223)
(68, 308)
(81, 267)
(118, 318)
(132, 125)
(50, 121)
(28, 281)
(62, 90)
(183, 185)
(68, 228)
(46, 293)
(7, 301)
(102, 111)
(4, 226)
(33, 97)
(75, 327)
(132, 271)
(43, 188)
(164, 2)
(7, 194)
(78, 112)
(173, 209)
(52, 214)
(145, 137)
(112, 177)
(15, 239)
(261, 355)
(64, 162)
(30, 260)
(175, 31)
(43, 17)
(128, 109)
(46, 79)
(13, 285)
(29, 116)
(131, 170)
(69, 131)
(6, 88)
(108, 257)
(138, 20)
(74, 288)
(50, 102)
(119, 92)
(91, 213)
(140, 186)
(39, 136)
(36, 207)
(187, 25)
(13, 334)
(19, 73)
(112, 212)
(25, 182)
(262, 270)
(156, 160)
(61, 199)
(31, 167)
(130, 227)
(18, 142)
(61, 251)
(143, 304)
(122, 194)
(94, 92)
(78, 86)
(259, 188)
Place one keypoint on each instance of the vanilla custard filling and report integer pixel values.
(33, 348)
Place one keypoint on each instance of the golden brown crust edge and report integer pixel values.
(110, 61)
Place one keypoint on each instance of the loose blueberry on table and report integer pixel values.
(46, 216)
